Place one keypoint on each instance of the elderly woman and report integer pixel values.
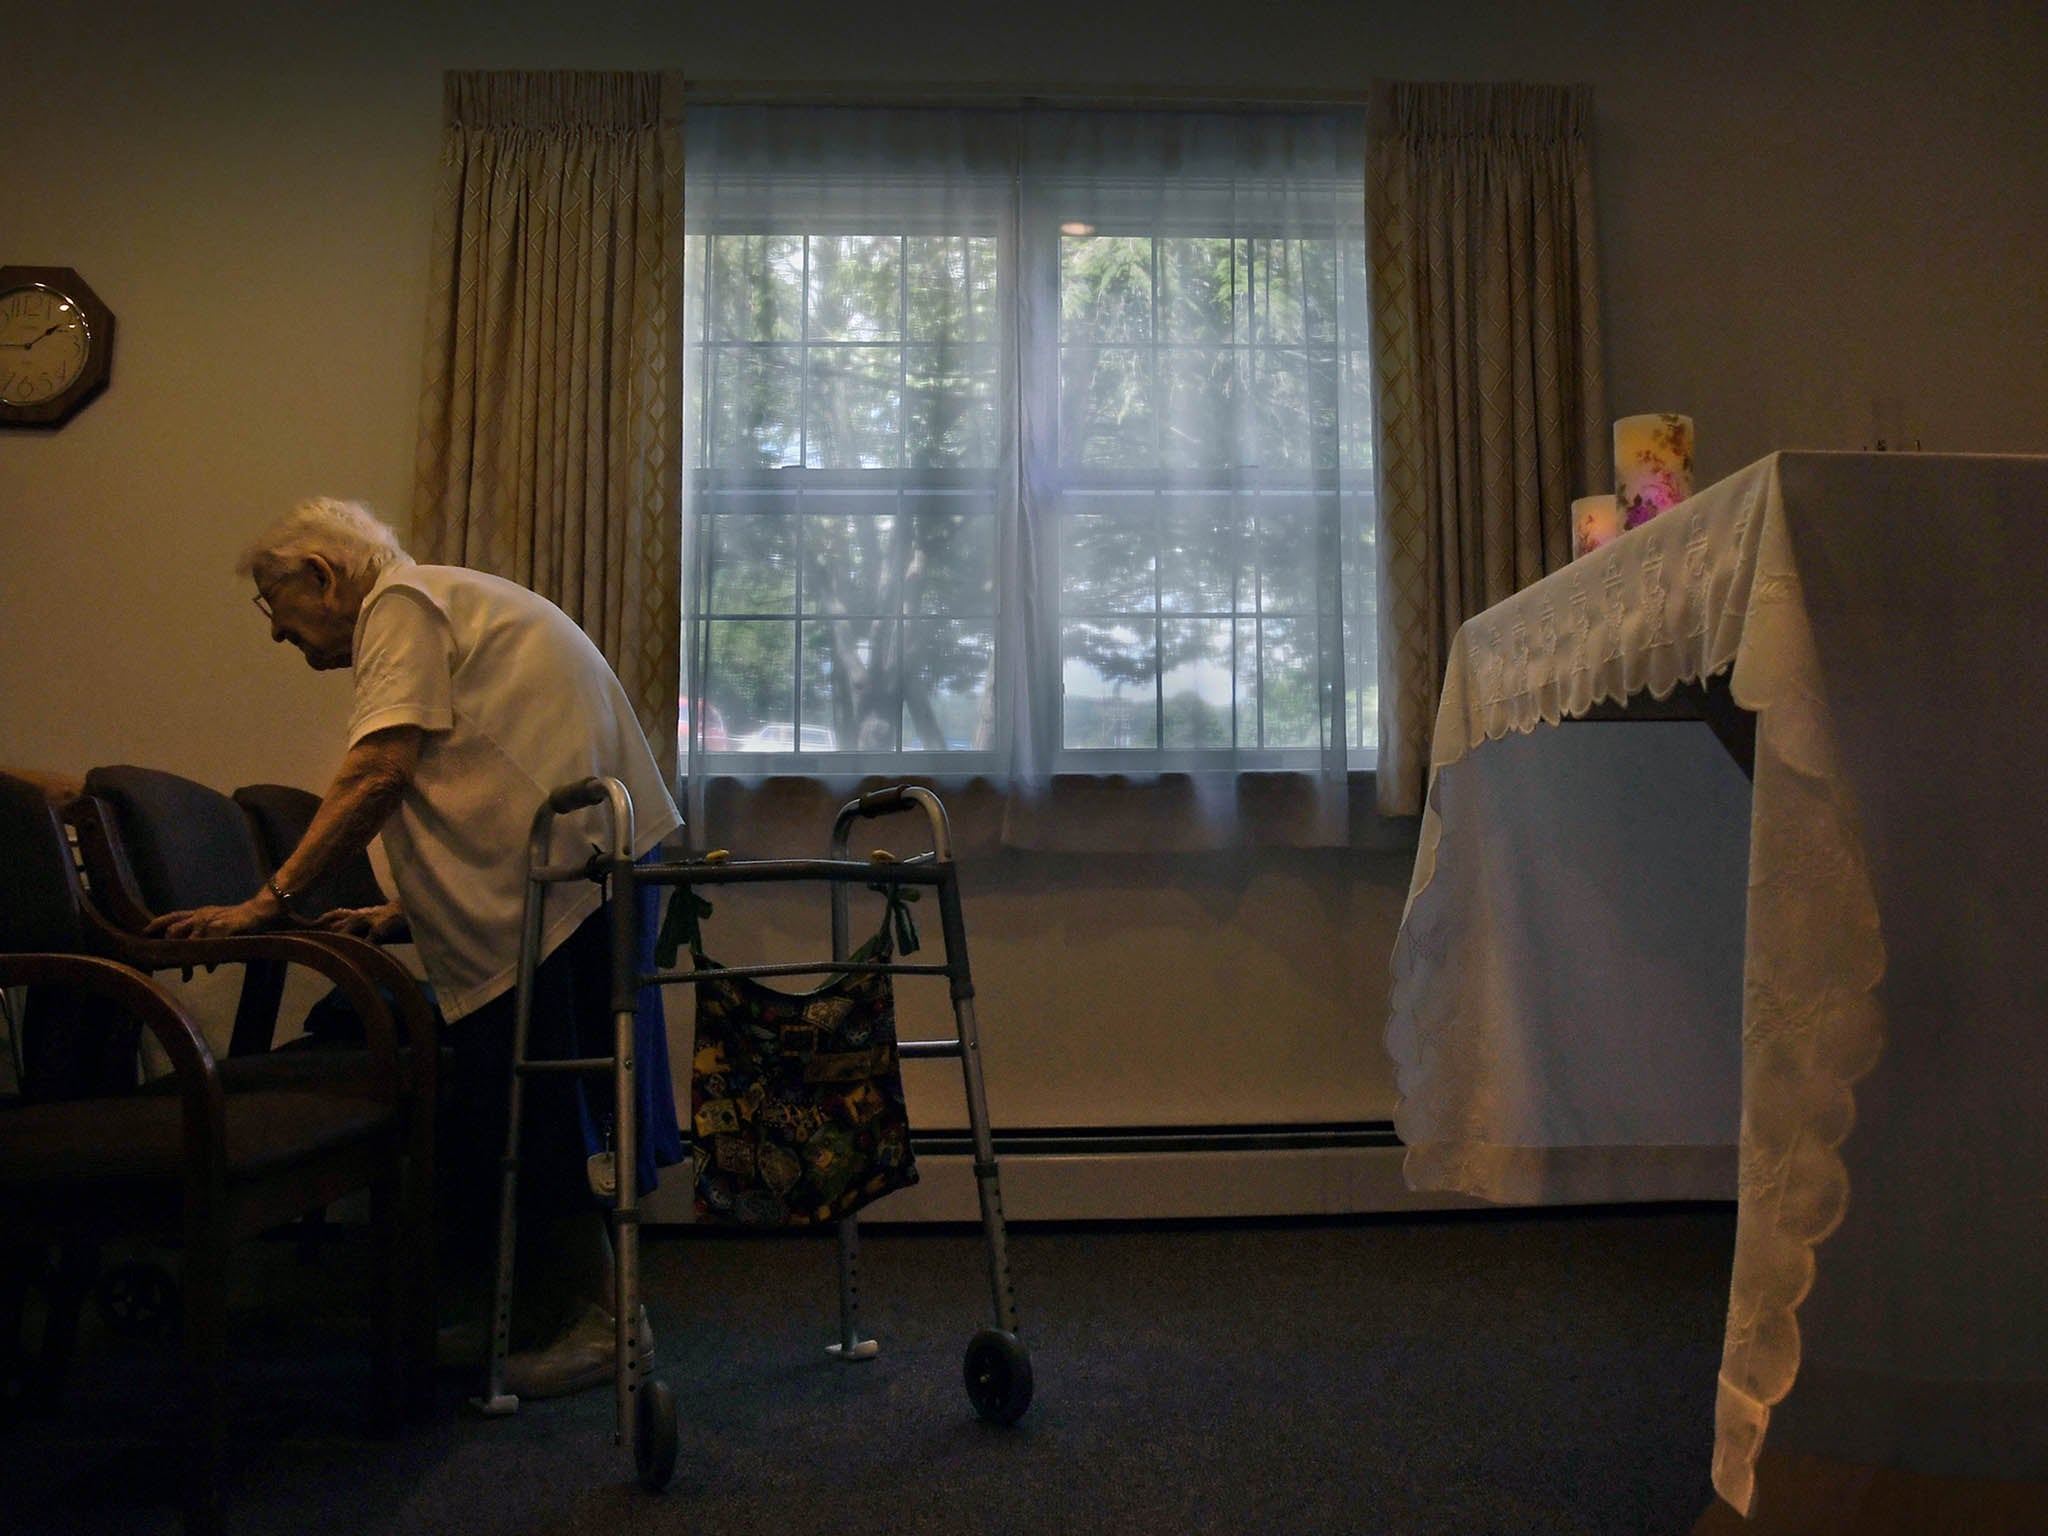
(474, 698)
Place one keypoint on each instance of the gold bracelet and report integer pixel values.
(284, 897)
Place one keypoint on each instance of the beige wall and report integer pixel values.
(1806, 210)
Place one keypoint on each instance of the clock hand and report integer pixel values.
(23, 346)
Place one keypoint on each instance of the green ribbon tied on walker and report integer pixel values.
(897, 898)
(682, 924)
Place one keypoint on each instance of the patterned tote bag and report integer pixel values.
(796, 1098)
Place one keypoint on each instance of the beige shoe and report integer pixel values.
(580, 1359)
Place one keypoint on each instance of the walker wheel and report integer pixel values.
(998, 1376)
(654, 1435)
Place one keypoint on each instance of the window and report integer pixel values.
(847, 509)
(1047, 447)
(1206, 382)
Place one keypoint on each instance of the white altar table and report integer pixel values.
(1624, 973)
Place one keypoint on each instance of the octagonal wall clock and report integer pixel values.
(56, 345)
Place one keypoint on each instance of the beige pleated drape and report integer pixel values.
(1486, 338)
(550, 413)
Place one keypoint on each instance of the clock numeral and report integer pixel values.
(24, 386)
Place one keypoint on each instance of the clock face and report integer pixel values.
(45, 341)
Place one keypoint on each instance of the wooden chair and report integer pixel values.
(152, 842)
(157, 842)
(278, 816)
(199, 1167)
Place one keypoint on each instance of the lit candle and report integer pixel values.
(1652, 464)
(1595, 520)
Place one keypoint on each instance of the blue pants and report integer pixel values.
(563, 1119)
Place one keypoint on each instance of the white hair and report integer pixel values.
(345, 533)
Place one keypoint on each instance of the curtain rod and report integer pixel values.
(813, 93)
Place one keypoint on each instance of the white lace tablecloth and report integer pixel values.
(1622, 976)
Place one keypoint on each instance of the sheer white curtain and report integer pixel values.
(1031, 448)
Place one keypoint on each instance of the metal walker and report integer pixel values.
(996, 1367)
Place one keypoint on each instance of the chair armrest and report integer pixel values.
(314, 952)
(205, 1116)
(115, 891)
(418, 1024)
(116, 915)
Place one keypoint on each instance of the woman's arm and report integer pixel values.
(371, 780)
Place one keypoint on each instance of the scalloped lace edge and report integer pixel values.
(1744, 612)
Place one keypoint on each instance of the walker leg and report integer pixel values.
(495, 1399)
(627, 1365)
(998, 1366)
(987, 1187)
(851, 1346)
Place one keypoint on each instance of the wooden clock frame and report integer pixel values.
(99, 327)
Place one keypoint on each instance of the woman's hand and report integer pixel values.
(259, 913)
(380, 925)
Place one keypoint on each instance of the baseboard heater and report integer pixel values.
(1149, 1173)
(1133, 1140)
(1152, 1173)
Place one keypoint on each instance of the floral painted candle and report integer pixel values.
(1652, 465)
(1595, 520)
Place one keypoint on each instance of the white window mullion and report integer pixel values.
(800, 526)
(1157, 543)
(1041, 493)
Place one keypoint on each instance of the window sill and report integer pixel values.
(791, 815)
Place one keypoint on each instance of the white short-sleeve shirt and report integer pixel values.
(516, 702)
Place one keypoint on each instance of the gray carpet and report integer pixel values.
(1497, 1372)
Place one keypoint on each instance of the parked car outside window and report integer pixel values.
(778, 737)
(715, 737)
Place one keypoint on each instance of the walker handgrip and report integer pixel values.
(881, 802)
(575, 796)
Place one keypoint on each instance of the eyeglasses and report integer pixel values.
(262, 597)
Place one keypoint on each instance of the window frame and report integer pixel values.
(794, 482)
(1027, 233)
